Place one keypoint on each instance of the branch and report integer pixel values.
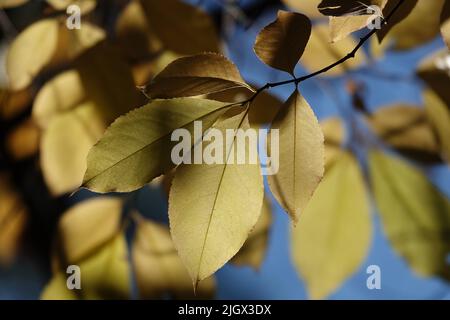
(327, 68)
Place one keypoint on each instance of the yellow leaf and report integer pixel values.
(61, 94)
(439, 115)
(319, 46)
(226, 206)
(31, 51)
(137, 147)
(84, 5)
(333, 235)
(301, 155)
(196, 75)
(100, 253)
(415, 215)
(65, 145)
(445, 23)
(254, 249)
(308, 7)
(181, 27)
(407, 129)
(281, 43)
(158, 269)
(334, 134)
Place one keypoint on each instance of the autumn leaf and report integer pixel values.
(333, 235)
(334, 133)
(319, 46)
(281, 43)
(85, 5)
(12, 3)
(254, 250)
(308, 7)
(196, 75)
(181, 27)
(301, 155)
(158, 269)
(415, 215)
(137, 147)
(220, 226)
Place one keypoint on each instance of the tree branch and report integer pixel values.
(327, 68)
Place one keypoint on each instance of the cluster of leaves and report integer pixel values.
(92, 135)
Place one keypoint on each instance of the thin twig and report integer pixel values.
(350, 55)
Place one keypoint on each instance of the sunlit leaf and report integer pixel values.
(158, 269)
(84, 5)
(195, 75)
(137, 147)
(319, 46)
(181, 27)
(301, 155)
(255, 248)
(308, 7)
(23, 141)
(334, 134)
(333, 235)
(415, 215)
(221, 225)
(31, 51)
(281, 43)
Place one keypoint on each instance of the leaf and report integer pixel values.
(308, 7)
(400, 14)
(23, 141)
(158, 269)
(84, 5)
(410, 33)
(407, 129)
(11, 3)
(181, 27)
(13, 221)
(445, 23)
(439, 115)
(301, 163)
(196, 75)
(333, 235)
(221, 226)
(134, 34)
(342, 26)
(31, 51)
(254, 250)
(434, 70)
(136, 148)
(101, 253)
(61, 94)
(281, 43)
(337, 8)
(65, 145)
(415, 216)
(320, 46)
(334, 134)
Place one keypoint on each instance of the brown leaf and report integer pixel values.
(282, 43)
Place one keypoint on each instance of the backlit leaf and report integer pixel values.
(308, 7)
(159, 270)
(333, 235)
(281, 43)
(301, 155)
(196, 75)
(136, 148)
(231, 199)
(415, 215)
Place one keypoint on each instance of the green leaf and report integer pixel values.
(221, 202)
(137, 147)
(281, 43)
(333, 235)
(302, 155)
(415, 215)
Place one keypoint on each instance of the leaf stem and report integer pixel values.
(350, 55)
